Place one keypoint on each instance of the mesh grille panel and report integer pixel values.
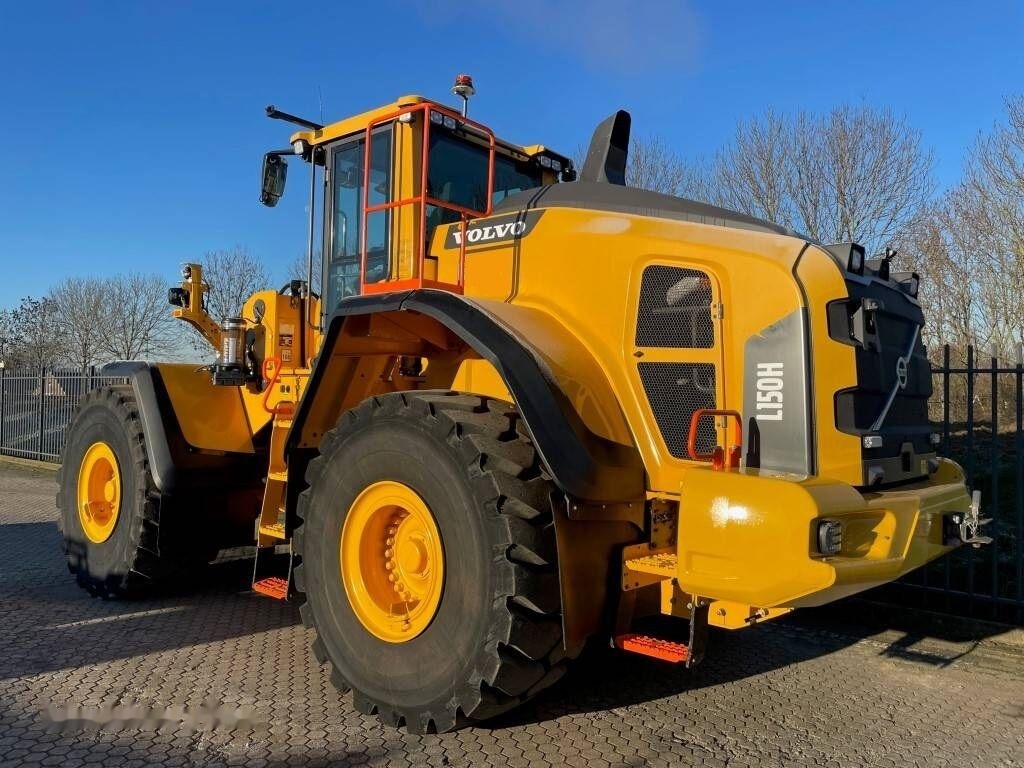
(675, 391)
(675, 309)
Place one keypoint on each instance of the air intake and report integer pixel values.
(675, 391)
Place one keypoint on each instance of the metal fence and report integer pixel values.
(977, 403)
(36, 408)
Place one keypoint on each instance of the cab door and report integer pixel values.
(343, 231)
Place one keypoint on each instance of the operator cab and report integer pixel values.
(380, 220)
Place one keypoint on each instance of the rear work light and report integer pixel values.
(830, 537)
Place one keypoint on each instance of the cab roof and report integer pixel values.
(355, 124)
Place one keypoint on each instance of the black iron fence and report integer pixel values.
(36, 408)
(977, 403)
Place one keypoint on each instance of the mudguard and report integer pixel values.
(177, 466)
(584, 465)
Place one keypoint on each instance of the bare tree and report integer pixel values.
(80, 314)
(755, 173)
(234, 275)
(37, 344)
(137, 322)
(856, 173)
(972, 259)
(652, 164)
(990, 208)
(949, 279)
(297, 270)
(10, 338)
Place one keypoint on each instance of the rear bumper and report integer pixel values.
(898, 531)
(751, 537)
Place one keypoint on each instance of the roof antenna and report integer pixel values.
(463, 88)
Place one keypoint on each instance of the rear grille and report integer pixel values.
(675, 309)
(675, 391)
(883, 340)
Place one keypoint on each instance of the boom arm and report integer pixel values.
(190, 301)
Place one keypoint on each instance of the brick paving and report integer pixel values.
(809, 691)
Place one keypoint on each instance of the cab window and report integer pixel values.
(345, 240)
(457, 173)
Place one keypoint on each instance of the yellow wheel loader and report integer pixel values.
(530, 407)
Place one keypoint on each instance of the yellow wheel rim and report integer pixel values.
(99, 492)
(392, 562)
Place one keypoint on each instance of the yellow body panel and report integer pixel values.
(481, 377)
(588, 294)
(211, 418)
(833, 368)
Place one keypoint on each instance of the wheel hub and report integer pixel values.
(392, 561)
(99, 492)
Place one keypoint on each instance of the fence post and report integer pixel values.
(3, 408)
(970, 468)
(42, 401)
(993, 551)
(1018, 459)
(945, 399)
(946, 569)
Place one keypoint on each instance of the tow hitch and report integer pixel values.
(960, 528)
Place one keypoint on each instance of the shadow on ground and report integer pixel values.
(48, 623)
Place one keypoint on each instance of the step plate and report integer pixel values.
(662, 564)
(642, 565)
(272, 587)
(665, 650)
(274, 531)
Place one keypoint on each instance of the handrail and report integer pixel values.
(418, 280)
(279, 409)
(727, 459)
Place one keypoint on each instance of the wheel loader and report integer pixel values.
(530, 407)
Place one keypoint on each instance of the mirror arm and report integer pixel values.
(276, 114)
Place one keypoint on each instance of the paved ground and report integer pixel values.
(813, 691)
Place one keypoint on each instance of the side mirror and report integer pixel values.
(275, 172)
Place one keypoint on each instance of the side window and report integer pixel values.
(345, 246)
(343, 265)
(378, 223)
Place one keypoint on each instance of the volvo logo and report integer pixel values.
(493, 230)
(901, 372)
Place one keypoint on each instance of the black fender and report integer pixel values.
(176, 466)
(582, 464)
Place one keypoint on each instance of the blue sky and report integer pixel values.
(133, 131)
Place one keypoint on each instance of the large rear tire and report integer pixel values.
(495, 636)
(120, 535)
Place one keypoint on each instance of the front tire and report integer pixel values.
(495, 637)
(119, 535)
